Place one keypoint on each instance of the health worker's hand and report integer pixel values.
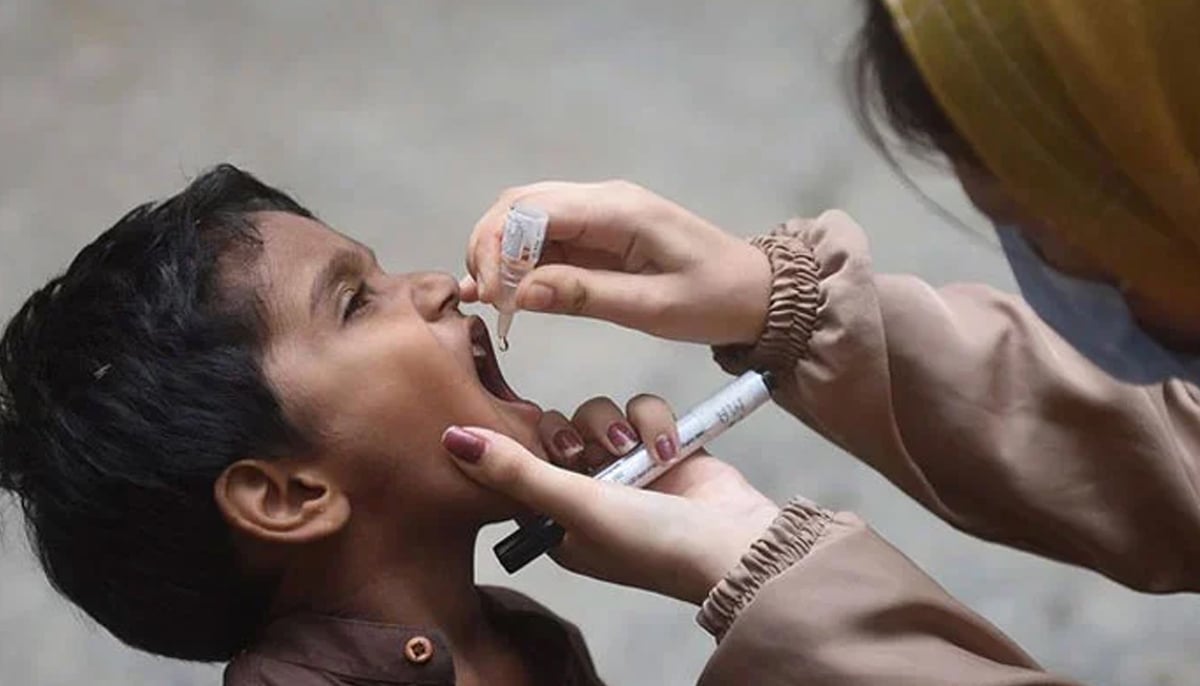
(678, 537)
(618, 252)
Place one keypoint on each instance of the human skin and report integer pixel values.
(371, 519)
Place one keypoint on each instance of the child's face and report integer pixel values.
(375, 366)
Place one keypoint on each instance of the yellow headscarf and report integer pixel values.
(1088, 111)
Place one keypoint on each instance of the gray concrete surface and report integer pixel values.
(398, 122)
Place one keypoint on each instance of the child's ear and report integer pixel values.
(281, 501)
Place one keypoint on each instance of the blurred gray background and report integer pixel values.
(398, 122)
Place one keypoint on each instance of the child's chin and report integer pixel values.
(494, 507)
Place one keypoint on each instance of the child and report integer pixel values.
(223, 423)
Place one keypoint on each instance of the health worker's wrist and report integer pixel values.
(751, 277)
(718, 551)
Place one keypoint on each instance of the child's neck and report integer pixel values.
(427, 582)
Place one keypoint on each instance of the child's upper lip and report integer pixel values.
(465, 335)
(468, 324)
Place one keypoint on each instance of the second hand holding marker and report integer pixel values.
(700, 425)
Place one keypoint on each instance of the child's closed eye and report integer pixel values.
(359, 298)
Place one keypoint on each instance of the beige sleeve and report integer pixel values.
(963, 398)
(822, 600)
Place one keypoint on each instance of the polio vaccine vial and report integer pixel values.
(520, 248)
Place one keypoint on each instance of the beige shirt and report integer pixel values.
(964, 399)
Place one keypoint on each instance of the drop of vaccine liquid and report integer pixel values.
(504, 344)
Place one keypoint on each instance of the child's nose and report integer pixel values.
(434, 294)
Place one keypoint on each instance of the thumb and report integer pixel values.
(624, 299)
(501, 464)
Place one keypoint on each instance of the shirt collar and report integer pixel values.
(395, 654)
(358, 649)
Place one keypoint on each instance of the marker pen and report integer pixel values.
(700, 425)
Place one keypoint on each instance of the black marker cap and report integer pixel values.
(528, 543)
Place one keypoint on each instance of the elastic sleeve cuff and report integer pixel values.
(791, 312)
(789, 538)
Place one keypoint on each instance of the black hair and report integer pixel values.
(127, 385)
(887, 86)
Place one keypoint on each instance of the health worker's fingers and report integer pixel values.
(468, 289)
(483, 247)
(636, 301)
(600, 421)
(501, 464)
(483, 250)
(565, 253)
(563, 443)
(654, 421)
(617, 218)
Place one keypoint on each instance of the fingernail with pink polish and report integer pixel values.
(622, 437)
(463, 444)
(665, 447)
(568, 443)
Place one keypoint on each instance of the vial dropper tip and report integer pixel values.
(503, 323)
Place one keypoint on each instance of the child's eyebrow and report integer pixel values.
(345, 262)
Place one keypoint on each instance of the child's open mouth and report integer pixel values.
(486, 366)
